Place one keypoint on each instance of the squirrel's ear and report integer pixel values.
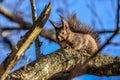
(54, 24)
(64, 22)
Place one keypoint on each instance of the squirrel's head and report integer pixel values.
(62, 31)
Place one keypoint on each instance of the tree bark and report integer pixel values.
(59, 64)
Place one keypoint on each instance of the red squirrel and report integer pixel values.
(73, 34)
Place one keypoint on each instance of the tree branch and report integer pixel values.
(58, 66)
(25, 42)
(34, 17)
(15, 18)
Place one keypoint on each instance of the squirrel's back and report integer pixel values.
(79, 27)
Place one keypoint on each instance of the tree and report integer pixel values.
(67, 63)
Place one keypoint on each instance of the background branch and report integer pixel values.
(15, 18)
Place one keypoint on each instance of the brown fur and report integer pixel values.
(73, 34)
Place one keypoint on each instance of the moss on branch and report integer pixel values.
(60, 63)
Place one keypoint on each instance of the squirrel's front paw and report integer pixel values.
(68, 47)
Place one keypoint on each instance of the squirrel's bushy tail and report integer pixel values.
(79, 27)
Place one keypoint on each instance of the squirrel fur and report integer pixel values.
(73, 34)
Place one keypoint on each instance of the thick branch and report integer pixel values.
(62, 62)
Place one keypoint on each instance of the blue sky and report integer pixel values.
(103, 18)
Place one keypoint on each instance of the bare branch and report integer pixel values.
(34, 17)
(6, 40)
(107, 31)
(115, 43)
(14, 18)
(34, 14)
(25, 42)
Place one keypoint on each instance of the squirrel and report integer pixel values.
(72, 34)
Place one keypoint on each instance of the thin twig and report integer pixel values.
(107, 31)
(14, 18)
(115, 43)
(34, 17)
(33, 7)
(7, 41)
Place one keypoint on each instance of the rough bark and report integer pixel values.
(59, 64)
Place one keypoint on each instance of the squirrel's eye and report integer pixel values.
(63, 33)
